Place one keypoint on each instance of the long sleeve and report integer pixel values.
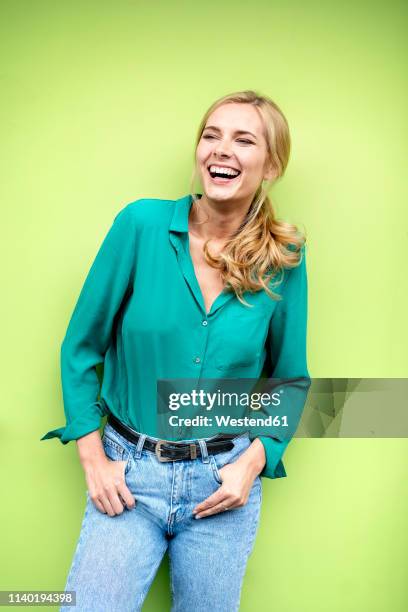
(90, 328)
(287, 350)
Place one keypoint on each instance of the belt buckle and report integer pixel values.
(157, 450)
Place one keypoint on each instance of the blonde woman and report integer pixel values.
(183, 289)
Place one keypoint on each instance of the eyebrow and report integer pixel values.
(213, 127)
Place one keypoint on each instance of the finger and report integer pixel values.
(102, 504)
(112, 503)
(119, 495)
(115, 494)
(127, 496)
(98, 501)
(123, 490)
(211, 501)
(222, 507)
(98, 505)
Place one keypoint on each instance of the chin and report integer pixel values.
(219, 193)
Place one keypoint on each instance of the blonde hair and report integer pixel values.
(258, 249)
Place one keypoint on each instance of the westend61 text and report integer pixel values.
(227, 421)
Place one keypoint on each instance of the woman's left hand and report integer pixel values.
(237, 480)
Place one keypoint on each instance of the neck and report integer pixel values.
(224, 218)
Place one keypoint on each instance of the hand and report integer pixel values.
(237, 480)
(107, 487)
(105, 478)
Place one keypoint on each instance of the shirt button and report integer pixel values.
(196, 359)
(204, 323)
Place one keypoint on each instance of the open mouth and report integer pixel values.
(223, 177)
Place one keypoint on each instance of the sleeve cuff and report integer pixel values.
(274, 450)
(80, 426)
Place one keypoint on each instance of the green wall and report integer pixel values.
(100, 105)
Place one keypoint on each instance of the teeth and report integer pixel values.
(224, 170)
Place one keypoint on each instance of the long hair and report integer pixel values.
(261, 247)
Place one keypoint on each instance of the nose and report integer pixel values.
(222, 149)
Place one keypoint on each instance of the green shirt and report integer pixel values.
(141, 313)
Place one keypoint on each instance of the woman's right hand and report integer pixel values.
(105, 478)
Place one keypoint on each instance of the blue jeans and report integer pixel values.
(117, 557)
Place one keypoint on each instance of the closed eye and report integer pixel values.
(208, 136)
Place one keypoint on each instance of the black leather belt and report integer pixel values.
(166, 450)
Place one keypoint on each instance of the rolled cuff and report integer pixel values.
(80, 426)
(274, 450)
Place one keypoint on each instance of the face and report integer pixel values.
(232, 141)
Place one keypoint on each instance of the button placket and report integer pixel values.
(204, 335)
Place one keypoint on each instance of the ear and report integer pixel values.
(270, 172)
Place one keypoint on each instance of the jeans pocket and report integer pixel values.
(117, 452)
(219, 460)
(259, 480)
(215, 471)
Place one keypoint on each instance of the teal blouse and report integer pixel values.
(141, 313)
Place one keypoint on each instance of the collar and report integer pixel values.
(179, 225)
(179, 221)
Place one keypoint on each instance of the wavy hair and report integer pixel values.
(260, 247)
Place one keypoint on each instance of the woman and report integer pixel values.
(183, 289)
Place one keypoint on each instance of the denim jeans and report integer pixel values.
(117, 557)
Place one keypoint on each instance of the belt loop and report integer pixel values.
(139, 447)
(204, 451)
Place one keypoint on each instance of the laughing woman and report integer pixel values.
(183, 289)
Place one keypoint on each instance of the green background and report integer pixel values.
(100, 106)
